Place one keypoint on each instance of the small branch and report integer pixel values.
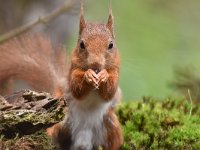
(190, 97)
(44, 19)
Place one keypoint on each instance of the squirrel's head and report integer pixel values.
(96, 47)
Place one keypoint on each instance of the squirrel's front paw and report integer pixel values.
(102, 76)
(91, 77)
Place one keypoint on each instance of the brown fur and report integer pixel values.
(95, 66)
(33, 59)
(61, 136)
(114, 134)
(108, 89)
(78, 86)
(6, 86)
(96, 56)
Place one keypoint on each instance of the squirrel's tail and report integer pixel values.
(33, 58)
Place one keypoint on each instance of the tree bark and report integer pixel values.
(24, 118)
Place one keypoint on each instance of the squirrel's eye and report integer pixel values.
(82, 45)
(110, 46)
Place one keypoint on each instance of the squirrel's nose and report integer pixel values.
(96, 67)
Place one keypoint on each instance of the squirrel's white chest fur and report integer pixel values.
(86, 121)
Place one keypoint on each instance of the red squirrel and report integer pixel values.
(92, 80)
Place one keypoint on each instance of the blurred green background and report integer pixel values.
(153, 36)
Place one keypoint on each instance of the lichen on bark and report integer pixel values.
(24, 118)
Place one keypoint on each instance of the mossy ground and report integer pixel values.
(164, 124)
(36, 141)
(147, 124)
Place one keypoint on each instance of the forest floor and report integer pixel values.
(147, 124)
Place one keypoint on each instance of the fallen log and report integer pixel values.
(24, 118)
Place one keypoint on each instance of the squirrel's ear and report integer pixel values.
(82, 20)
(110, 21)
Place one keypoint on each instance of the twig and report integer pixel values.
(40, 20)
(190, 97)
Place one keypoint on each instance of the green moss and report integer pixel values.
(166, 124)
(148, 124)
(36, 141)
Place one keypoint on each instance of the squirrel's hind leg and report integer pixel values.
(114, 134)
(61, 136)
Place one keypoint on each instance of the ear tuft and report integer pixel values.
(82, 24)
(110, 21)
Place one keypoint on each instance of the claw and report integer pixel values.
(103, 76)
(91, 77)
